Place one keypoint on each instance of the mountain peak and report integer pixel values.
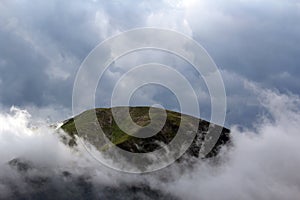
(140, 116)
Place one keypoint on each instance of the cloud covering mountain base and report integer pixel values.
(262, 164)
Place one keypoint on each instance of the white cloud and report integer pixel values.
(263, 163)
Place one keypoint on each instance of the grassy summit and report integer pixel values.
(140, 115)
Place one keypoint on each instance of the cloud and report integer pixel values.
(43, 45)
(253, 38)
(52, 39)
(262, 164)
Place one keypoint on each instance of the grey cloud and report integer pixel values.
(43, 44)
(254, 38)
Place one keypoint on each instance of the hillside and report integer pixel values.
(140, 115)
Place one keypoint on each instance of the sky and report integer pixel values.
(43, 44)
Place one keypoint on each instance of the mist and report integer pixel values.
(262, 163)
